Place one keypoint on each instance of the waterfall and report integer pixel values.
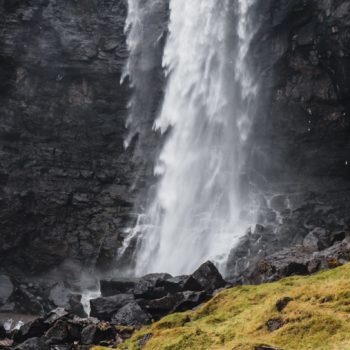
(197, 210)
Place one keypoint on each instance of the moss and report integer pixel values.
(316, 318)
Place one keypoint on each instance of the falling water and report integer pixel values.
(196, 211)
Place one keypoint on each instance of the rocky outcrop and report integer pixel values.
(64, 174)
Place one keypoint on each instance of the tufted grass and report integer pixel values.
(318, 318)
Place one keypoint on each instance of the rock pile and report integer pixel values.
(124, 306)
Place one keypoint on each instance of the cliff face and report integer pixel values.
(63, 171)
(65, 177)
(301, 148)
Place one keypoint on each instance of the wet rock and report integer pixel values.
(282, 303)
(116, 286)
(58, 333)
(131, 315)
(33, 344)
(208, 276)
(33, 329)
(151, 286)
(180, 284)
(104, 308)
(2, 331)
(97, 333)
(6, 289)
(318, 239)
(161, 307)
(190, 300)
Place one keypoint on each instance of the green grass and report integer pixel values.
(318, 318)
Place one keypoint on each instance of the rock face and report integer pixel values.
(64, 174)
(300, 170)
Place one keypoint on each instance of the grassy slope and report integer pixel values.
(318, 318)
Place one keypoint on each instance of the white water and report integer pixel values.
(195, 214)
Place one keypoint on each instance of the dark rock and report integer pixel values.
(33, 329)
(104, 308)
(317, 239)
(58, 333)
(144, 340)
(62, 297)
(151, 286)
(163, 306)
(274, 324)
(116, 286)
(27, 302)
(3, 332)
(180, 284)
(33, 344)
(208, 276)
(265, 347)
(55, 315)
(190, 300)
(97, 333)
(131, 315)
(282, 303)
(6, 289)
(63, 165)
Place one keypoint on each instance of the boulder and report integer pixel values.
(105, 307)
(131, 315)
(208, 276)
(161, 307)
(6, 289)
(58, 333)
(33, 344)
(116, 286)
(151, 286)
(97, 333)
(33, 329)
(190, 300)
(181, 284)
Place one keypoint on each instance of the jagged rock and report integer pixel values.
(116, 286)
(58, 333)
(282, 303)
(208, 276)
(191, 300)
(180, 284)
(104, 308)
(33, 329)
(161, 307)
(151, 286)
(33, 344)
(96, 333)
(131, 315)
